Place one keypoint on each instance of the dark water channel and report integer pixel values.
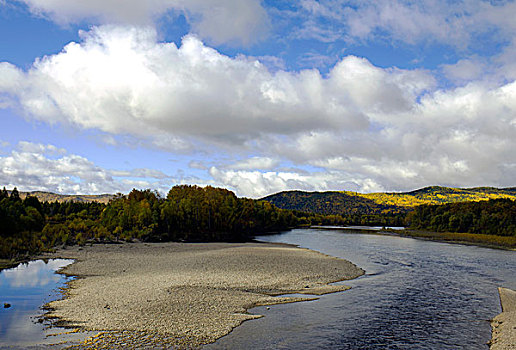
(26, 288)
(415, 295)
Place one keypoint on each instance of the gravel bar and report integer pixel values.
(504, 325)
(184, 295)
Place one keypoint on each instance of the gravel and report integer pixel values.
(504, 325)
(182, 295)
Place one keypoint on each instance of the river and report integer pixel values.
(415, 295)
(23, 292)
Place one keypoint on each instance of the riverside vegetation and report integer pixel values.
(481, 215)
(188, 213)
(191, 213)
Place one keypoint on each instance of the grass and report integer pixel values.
(493, 241)
(7, 264)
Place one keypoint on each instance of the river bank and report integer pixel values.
(143, 295)
(481, 240)
(504, 325)
(417, 294)
(7, 264)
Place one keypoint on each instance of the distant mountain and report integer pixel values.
(350, 203)
(54, 197)
(341, 203)
(441, 195)
(331, 203)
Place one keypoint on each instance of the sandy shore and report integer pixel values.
(184, 295)
(504, 325)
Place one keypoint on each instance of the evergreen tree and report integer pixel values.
(4, 194)
(15, 195)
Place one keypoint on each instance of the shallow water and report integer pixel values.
(27, 288)
(415, 295)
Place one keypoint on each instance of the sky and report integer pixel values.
(103, 96)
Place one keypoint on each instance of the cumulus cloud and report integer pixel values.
(506, 63)
(465, 70)
(460, 137)
(258, 184)
(37, 273)
(227, 21)
(38, 167)
(120, 80)
(362, 127)
(220, 21)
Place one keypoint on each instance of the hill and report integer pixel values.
(331, 203)
(339, 202)
(440, 195)
(352, 203)
(62, 198)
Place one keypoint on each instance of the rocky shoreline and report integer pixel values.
(504, 325)
(181, 295)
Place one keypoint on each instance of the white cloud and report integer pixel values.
(256, 163)
(140, 173)
(38, 167)
(68, 11)
(10, 77)
(258, 184)
(455, 23)
(219, 21)
(465, 70)
(121, 81)
(224, 21)
(362, 127)
(506, 62)
(460, 137)
(37, 273)
(37, 148)
(194, 164)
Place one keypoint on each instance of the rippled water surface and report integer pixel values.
(27, 288)
(415, 295)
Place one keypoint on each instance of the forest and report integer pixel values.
(493, 217)
(188, 213)
(345, 208)
(439, 195)
(193, 214)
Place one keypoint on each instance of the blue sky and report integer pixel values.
(256, 96)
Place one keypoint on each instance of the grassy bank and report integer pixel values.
(7, 264)
(492, 241)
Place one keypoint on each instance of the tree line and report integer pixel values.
(493, 217)
(193, 213)
(188, 213)
(339, 208)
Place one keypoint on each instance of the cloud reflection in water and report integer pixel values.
(27, 288)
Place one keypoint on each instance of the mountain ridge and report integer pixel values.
(352, 203)
(44, 196)
(365, 203)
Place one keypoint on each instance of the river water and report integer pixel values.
(26, 288)
(415, 295)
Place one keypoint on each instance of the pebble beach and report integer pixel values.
(184, 295)
(504, 325)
